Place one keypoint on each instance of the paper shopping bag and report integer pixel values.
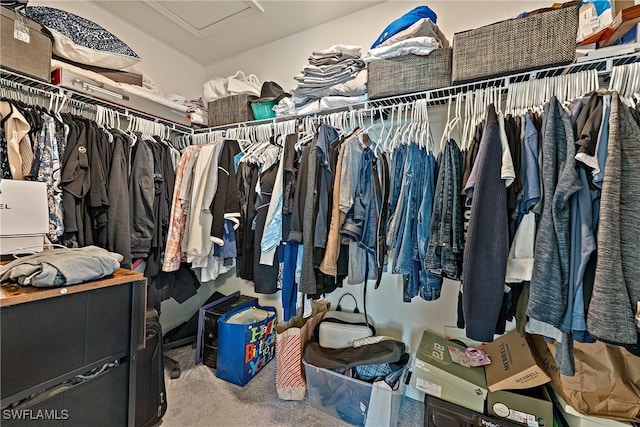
(291, 338)
(606, 383)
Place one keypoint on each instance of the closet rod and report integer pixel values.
(12, 85)
(441, 95)
(47, 89)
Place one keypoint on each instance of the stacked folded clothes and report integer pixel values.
(336, 71)
(420, 38)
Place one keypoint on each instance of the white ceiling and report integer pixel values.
(209, 31)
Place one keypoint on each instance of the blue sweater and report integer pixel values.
(487, 245)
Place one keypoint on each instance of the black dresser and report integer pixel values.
(67, 355)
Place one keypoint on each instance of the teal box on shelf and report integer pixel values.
(263, 110)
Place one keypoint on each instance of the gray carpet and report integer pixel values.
(199, 398)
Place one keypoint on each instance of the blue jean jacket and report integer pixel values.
(446, 241)
(360, 224)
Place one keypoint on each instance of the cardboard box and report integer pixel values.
(591, 22)
(437, 375)
(532, 407)
(24, 216)
(23, 46)
(513, 366)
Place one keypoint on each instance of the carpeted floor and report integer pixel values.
(198, 398)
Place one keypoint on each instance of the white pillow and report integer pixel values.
(80, 40)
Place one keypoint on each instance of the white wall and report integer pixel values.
(281, 60)
(172, 71)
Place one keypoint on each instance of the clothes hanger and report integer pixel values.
(413, 135)
(63, 100)
(386, 141)
(378, 149)
(395, 128)
(423, 121)
(468, 128)
(406, 123)
(444, 136)
(368, 129)
(416, 126)
(458, 117)
(408, 134)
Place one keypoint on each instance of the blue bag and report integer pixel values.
(244, 349)
(404, 22)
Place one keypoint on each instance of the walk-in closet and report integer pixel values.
(319, 213)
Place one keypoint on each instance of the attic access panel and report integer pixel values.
(205, 18)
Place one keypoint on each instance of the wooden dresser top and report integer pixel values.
(12, 294)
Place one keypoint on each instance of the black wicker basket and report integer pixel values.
(537, 41)
(231, 109)
(409, 73)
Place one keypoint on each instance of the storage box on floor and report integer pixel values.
(230, 109)
(499, 393)
(409, 73)
(211, 313)
(23, 45)
(351, 400)
(542, 39)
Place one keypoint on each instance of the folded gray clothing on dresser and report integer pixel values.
(61, 267)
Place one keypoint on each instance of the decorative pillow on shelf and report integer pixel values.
(80, 40)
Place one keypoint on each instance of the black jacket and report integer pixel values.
(226, 202)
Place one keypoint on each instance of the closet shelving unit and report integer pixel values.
(28, 84)
(434, 97)
(444, 95)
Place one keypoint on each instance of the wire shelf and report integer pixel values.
(14, 79)
(441, 96)
(434, 97)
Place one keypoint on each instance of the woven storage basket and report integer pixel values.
(409, 73)
(231, 109)
(537, 41)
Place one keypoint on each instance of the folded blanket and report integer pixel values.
(415, 46)
(422, 28)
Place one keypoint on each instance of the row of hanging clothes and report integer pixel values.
(550, 189)
(502, 209)
(584, 285)
(273, 198)
(109, 177)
